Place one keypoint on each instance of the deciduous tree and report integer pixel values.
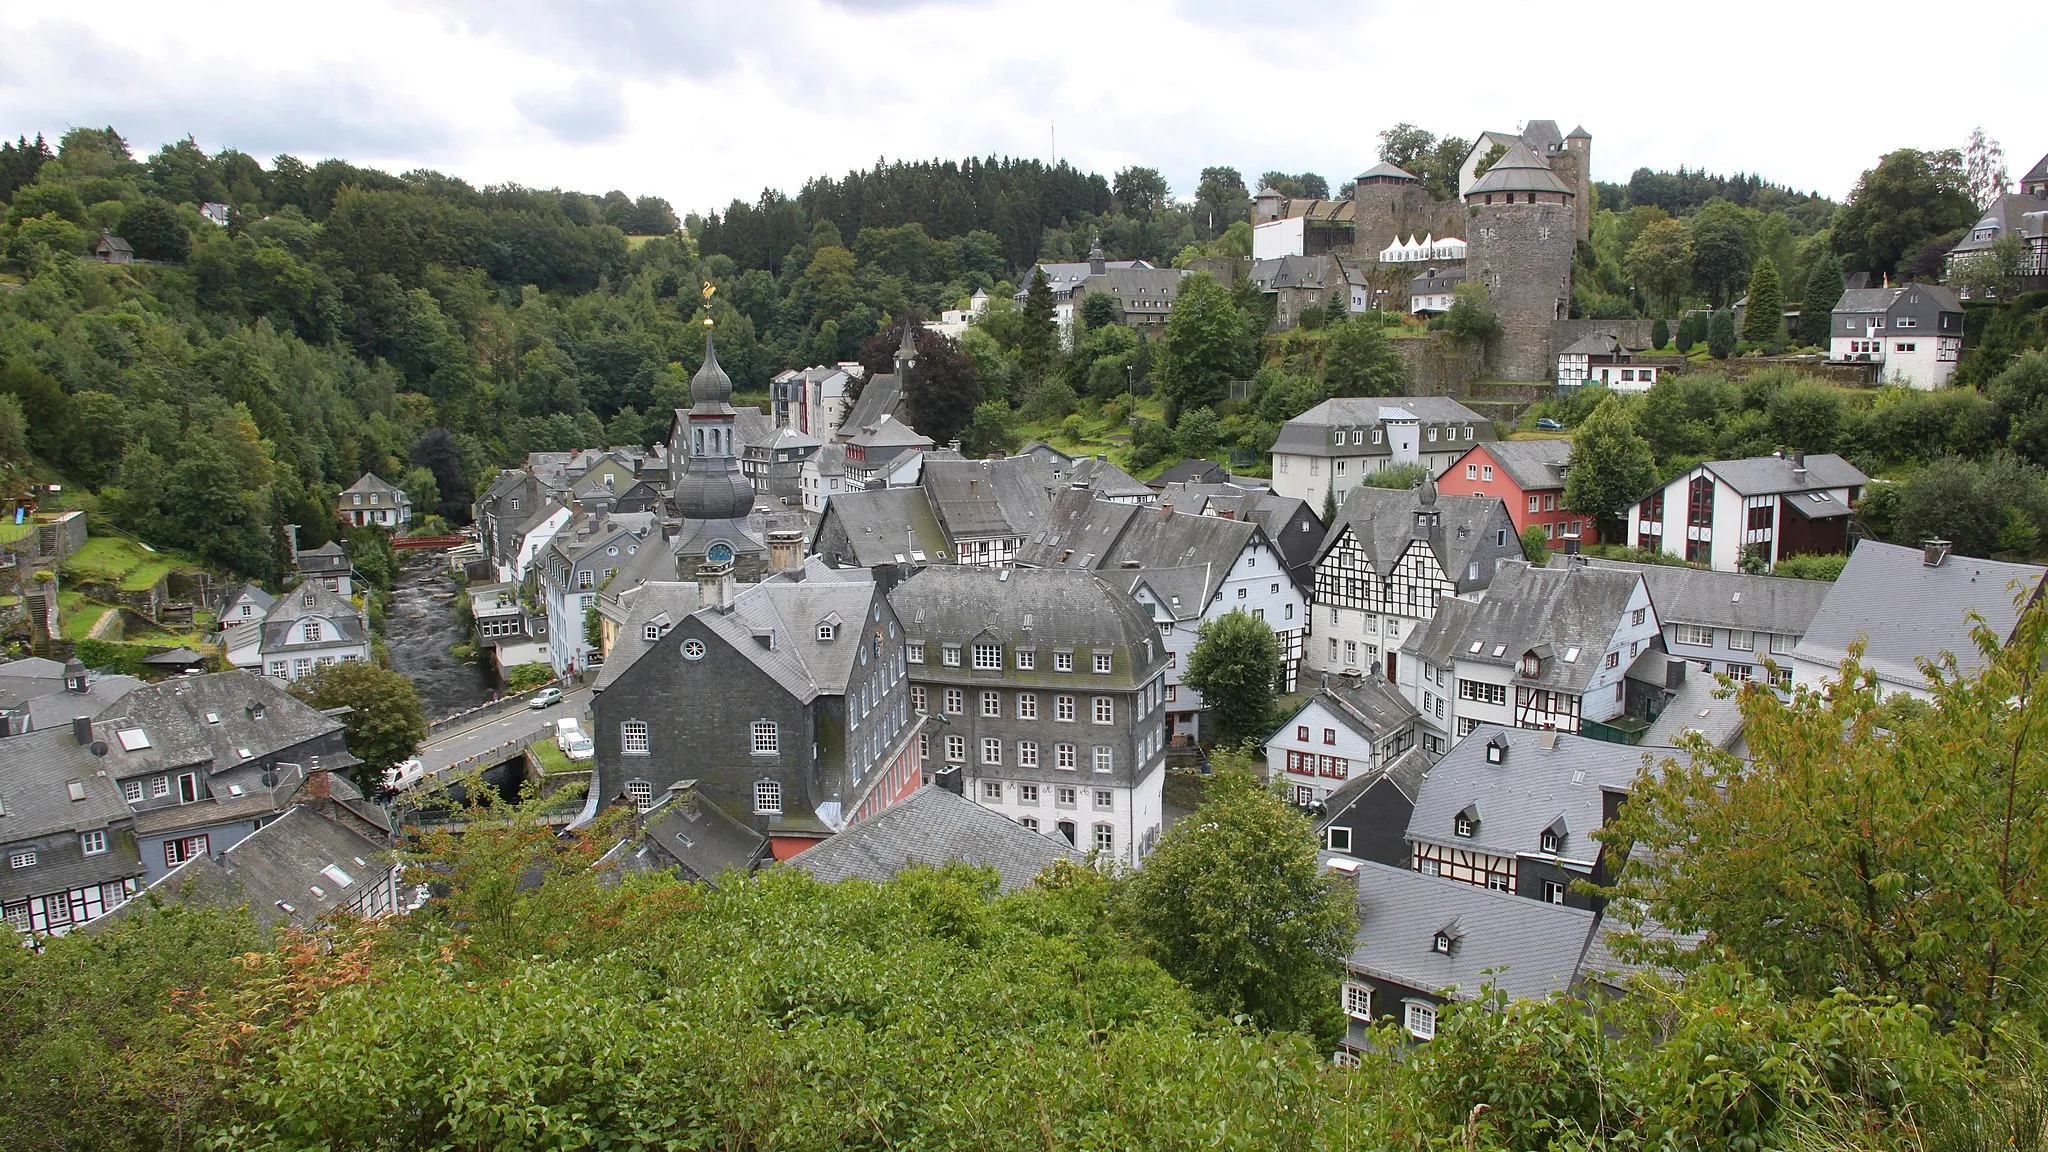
(1236, 667)
(385, 723)
(1611, 465)
(1660, 261)
(1908, 199)
(1208, 343)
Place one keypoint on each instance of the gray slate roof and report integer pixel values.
(174, 715)
(1907, 611)
(1519, 170)
(1369, 706)
(1099, 475)
(1383, 521)
(1530, 790)
(1698, 705)
(880, 524)
(54, 709)
(665, 602)
(1384, 169)
(700, 839)
(1309, 433)
(1290, 523)
(789, 614)
(292, 607)
(1857, 301)
(1534, 465)
(934, 827)
(1526, 608)
(329, 559)
(981, 498)
(1595, 344)
(280, 871)
(1532, 948)
(35, 771)
(1723, 599)
(880, 396)
(1022, 606)
(1084, 532)
(370, 482)
(889, 432)
(1407, 772)
(1772, 475)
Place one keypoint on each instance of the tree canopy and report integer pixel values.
(1236, 667)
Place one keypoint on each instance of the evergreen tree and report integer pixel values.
(1721, 335)
(1823, 292)
(1040, 338)
(1764, 323)
(1660, 334)
(1688, 332)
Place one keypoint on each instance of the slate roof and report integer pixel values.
(1064, 276)
(293, 870)
(370, 482)
(1048, 455)
(36, 769)
(881, 523)
(349, 627)
(1183, 593)
(1905, 610)
(251, 592)
(1369, 706)
(1525, 948)
(1880, 300)
(1292, 271)
(174, 716)
(1534, 465)
(2038, 173)
(1023, 606)
(1309, 433)
(1723, 599)
(1530, 790)
(979, 498)
(831, 460)
(881, 396)
(787, 614)
(1595, 344)
(329, 559)
(1291, 525)
(55, 708)
(666, 602)
(888, 432)
(1525, 608)
(933, 827)
(2013, 214)
(1100, 475)
(1407, 772)
(1772, 475)
(1436, 281)
(1190, 472)
(113, 243)
(1383, 521)
(700, 840)
(1519, 170)
(1699, 704)
(1384, 169)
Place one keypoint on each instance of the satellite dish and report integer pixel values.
(97, 747)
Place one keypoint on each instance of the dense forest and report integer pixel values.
(348, 320)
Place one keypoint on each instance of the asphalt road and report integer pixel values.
(438, 754)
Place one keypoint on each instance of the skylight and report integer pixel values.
(213, 717)
(132, 739)
(1571, 655)
(333, 872)
(1476, 646)
(76, 789)
(1499, 649)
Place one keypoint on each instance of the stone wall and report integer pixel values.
(1386, 211)
(1438, 365)
(1523, 254)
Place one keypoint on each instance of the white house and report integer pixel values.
(1601, 359)
(823, 477)
(1334, 446)
(576, 563)
(1351, 726)
(1545, 648)
(307, 629)
(1727, 623)
(1788, 504)
(954, 322)
(1913, 332)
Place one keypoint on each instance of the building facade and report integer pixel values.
(1527, 477)
(1789, 504)
(1331, 448)
(1912, 333)
(1352, 726)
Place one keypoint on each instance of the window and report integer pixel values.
(1420, 1020)
(585, 580)
(767, 798)
(1553, 892)
(1027, 705)
(825, 631)
(22, 860)
(1548, 841)
(1105, 758)
(1301, 732)
(767, 740)
(160, 787)
(1482, 692)
(956, 749)
(1471, 471)
(312, 631)
(1105, 799)
(1337, 839)
(188, 788)
(1105, 838)
(1781, 679)
(1027, 757)
(924, 746)
(1699, 506)
(131, 791)
(1063, 661)
(1357, 1001)
(1696, 635)
(1738, 671)
(1613, 660)
(176, 852)
(1030, 822)
(1027, 659)
(641, 793)
(1464, 826)
(1486, 474)
(988, 657)
(1027, 793)
(1329, 735)
(991, 750)
(1063, 709)
(1782, 644)
(992, 704)
(913, 652)
(633, 738)
(1064, 795)
(1240, 593)
(1637, 617)
(956, 702)
(918, 700)
(1105, 709)
(1063, 759)
(992, 791)
(1740, 641)
(949, 655)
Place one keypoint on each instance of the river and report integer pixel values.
(421, 628)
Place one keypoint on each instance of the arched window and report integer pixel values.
(641, 793)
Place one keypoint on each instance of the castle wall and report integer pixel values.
(1383, 212)
(1523, 254)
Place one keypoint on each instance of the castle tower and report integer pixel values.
(1520, 246)
(1575, 167)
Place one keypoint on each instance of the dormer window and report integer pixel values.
(826, 633)
(1532, 666)
(307, 598)
(1549, 842)
(1466, 824)
(1443, 942)
(1496, 752)
(651, 632)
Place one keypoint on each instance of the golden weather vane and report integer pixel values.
(708, 291)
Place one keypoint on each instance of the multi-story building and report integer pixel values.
(68, 839)
(959, 512)
(307, 629)
(1331, 448)
(1789, 504)
(374, 502)
(577, 562)
(1525, 219)
(1515, 811)
(205, 760)
(1293, 527)
(1913, 333)
(1352, 726)
(786, 702)
(1527, 476)
(1600, 358)
(2020, 216)
(1728, 624)
(1545, 648)
(1183, 571)
(1390, 557)
(1049, 692)
(1433, 292)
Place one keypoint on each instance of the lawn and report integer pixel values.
(78, 615)
(123, 563)
(552, 761)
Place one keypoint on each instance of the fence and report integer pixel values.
(487, 708)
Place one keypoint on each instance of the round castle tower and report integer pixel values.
(1519, 244)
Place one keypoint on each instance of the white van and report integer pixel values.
(571, 739)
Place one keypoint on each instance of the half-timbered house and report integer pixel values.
(1392, 555)
(1546, 648)
(1351, 726)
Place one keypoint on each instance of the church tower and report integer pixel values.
(713, 496)
(1520, 244)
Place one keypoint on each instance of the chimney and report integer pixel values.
(714, 586)
(316, 784)
(1166, 509)
(81, 729)
(1571, 545)
(686, 796)
(1799, 467)
(1933, 552)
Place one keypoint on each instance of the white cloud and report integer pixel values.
(704, 101)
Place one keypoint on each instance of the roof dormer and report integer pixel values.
(1465, 825)
(1445, 940)
(1552, 838)
(1496, 753)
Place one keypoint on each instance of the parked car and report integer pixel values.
(545, 698)
(571, 739)
(1548, 425)
(404, 774)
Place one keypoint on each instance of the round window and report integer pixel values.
(693, 649)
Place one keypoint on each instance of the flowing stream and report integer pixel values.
(421, 628)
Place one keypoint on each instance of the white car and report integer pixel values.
(404, 774)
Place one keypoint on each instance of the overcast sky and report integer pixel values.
(701, 101)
